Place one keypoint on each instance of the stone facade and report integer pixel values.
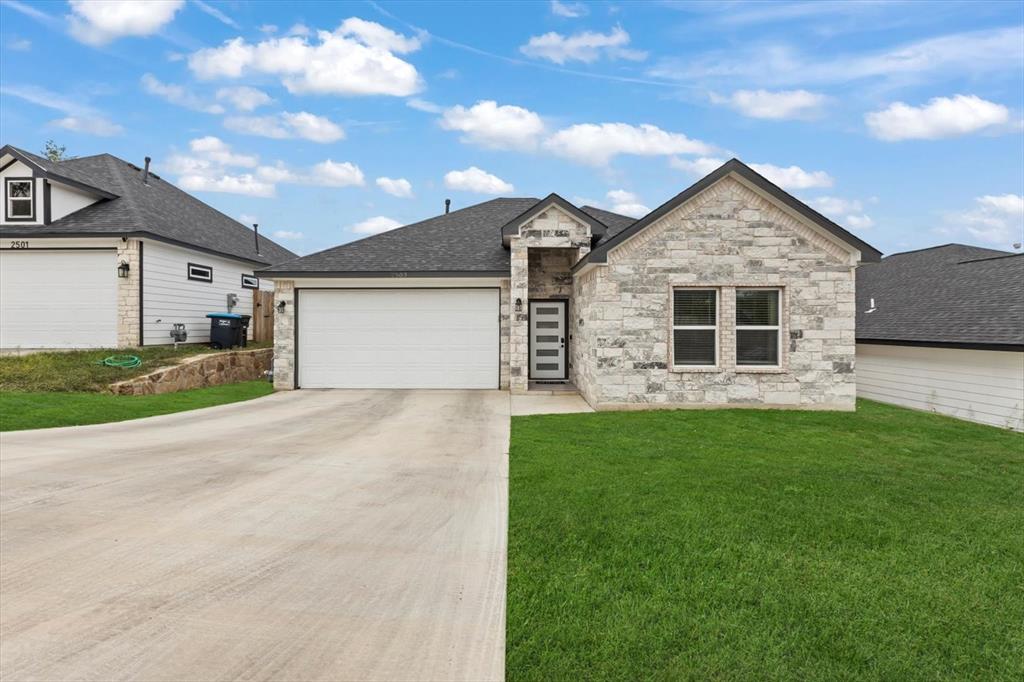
(200, 371)
(725, 238)
(128, 330)
(284, 335)
(541, 255)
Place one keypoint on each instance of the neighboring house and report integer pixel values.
(97, 252)
(942, 329)
(731, 293)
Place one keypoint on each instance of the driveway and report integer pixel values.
(331, 535)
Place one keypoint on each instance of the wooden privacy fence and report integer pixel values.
(262, 315)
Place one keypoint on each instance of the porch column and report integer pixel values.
(519, 337)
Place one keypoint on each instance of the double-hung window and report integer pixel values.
(694, 327)
(20, 199)
(757, 327)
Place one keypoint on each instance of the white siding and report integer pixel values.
(168, 296)
(978, 385)
(65, 200)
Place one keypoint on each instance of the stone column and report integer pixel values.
(519, 336)
(284, 335)
(128, 329)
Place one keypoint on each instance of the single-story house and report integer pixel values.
(731, 293)
(942, 329)
(96, 252)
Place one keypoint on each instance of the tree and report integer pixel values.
(56, 152)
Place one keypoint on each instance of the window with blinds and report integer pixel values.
(694, 327)
(757, 327)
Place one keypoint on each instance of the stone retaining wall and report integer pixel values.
(199, 371)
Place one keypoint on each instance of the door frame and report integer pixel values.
(529, 334)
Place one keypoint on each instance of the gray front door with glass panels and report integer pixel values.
(547, 340)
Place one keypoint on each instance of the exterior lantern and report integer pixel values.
(122, 269)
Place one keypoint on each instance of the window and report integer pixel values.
(757, 327)
(694, 327)
(200, 273)
(250, 281)
(20, 199)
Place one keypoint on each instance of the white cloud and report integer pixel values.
(627, 203)
(20, 45)
(793, 177)
(597, 144)
(423, 105)
(286, 234)
(299, 30)
(332, 174)
(941, 117)
(781, 104)
(90, 125)
(495, 127)
(569, 10)
(243, 97)
(848, 212)
(474, 179)
(859, 222)
(98, 22)
(268, 28)
(586, 47)
(375, 225)
(699, 167)
(216, 14)
(358, 58)
(967, 53)
(287, 125)
(396, 187)
(177, 94)
(210, 168)
(995, 219)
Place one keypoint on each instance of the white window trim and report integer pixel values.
(31, 198)
(254, 282)
(717, 327)
(761, 328)
(193, 276)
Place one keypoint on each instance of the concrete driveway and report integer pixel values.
(315, 535)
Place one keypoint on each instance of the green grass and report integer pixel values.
(80, 371)
(740, 545)
(42, 410)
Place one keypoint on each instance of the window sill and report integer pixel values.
(694, 369)
(753, 369)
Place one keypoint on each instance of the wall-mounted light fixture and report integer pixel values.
(122, 269)
(519, 305)
(280, 306)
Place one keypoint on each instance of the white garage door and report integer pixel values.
(398, 338)
(58, 299)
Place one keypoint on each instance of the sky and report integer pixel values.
(327, 122)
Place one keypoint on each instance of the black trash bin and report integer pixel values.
(245, 330)
(225, 330)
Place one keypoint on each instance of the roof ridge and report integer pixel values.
(941, 246)
(978, 260)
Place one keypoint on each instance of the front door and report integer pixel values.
(547, 340)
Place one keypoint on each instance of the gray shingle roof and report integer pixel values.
(157, 208)
(467, 240)
(613, 221)
(953, 294)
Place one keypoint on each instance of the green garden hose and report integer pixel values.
(122, 361)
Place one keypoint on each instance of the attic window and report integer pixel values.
(250, 282)
(20, 196)
(200, 273)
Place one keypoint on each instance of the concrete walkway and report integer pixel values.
(316, 535)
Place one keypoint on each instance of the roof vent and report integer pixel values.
(256, 236)
(447, 205)
(145, 172)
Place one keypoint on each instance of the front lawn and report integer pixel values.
(744, 544)
(41, 410)
(82, 370)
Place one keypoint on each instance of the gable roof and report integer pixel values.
(597, 228)
(131, 207)
(952, 294)
(464, 242)
(600, 253)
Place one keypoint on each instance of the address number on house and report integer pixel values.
(19, 244)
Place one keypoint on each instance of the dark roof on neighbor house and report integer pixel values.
(599, 254)
(464, 242)
(155, 209)
(954, 295)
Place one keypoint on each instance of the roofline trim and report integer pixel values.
(512, 226)
(965, 345)
(56, 177)
(128, 233)
(600, 253)
(395, 274)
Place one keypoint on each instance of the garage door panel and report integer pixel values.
(58, 299)
(398, 338)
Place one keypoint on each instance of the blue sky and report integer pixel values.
(326, 122)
